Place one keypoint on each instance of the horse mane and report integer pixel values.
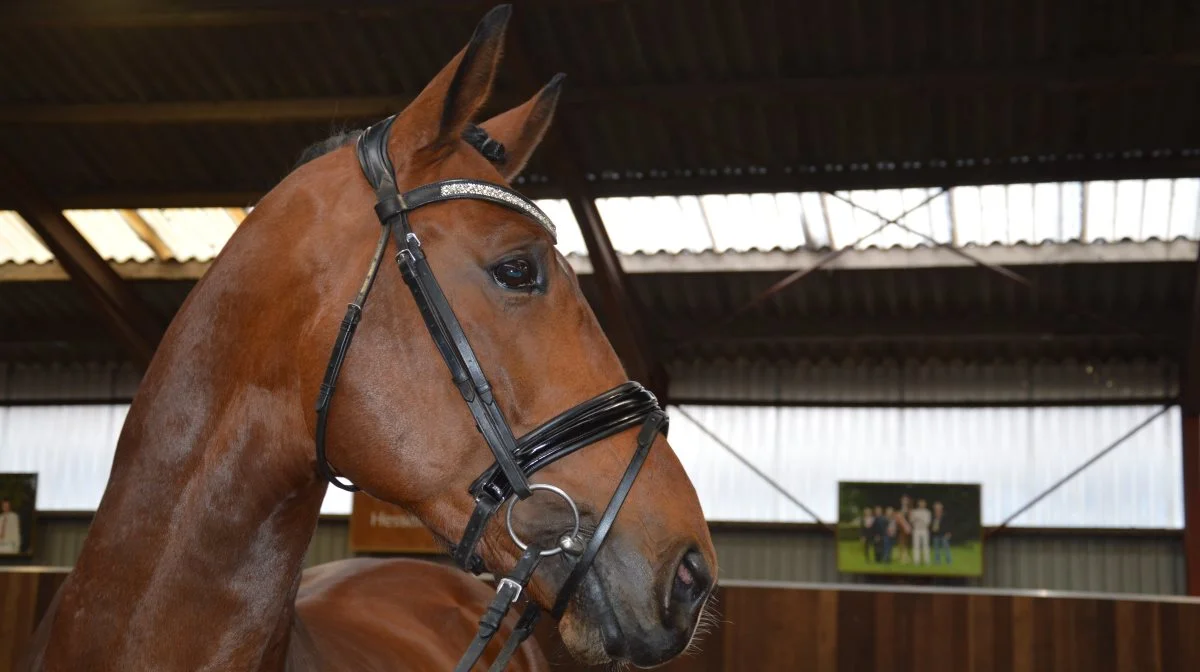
(489, 147)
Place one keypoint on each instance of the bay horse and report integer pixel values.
(193, 560)
(351, 611)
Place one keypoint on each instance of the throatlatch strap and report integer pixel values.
(655, 422)
(341, 345)
(507, 592)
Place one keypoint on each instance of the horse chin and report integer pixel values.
(589, 627)
(592, 632)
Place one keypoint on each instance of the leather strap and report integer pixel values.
(463, 552)
(656, 422)
(507, 592)
(598, 418)
(373, 156)
(452, 343)
(341, 346)
(524, 629)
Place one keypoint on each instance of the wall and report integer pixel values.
(843, 629)
(1150, 562)
(884, 382)
(855, 629)
(1014, 453)
(899, 382)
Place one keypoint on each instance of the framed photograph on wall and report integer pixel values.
(18, 513)
(916, 529)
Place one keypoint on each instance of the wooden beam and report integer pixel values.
(147, 234)
(204, 112)
(221, 13)
(1117, 74)
(1189, 402)
(129, 318)
(120, 199)
(625, 325)
(787, 179)
(1155, 327)
(1191, 501)
(1190, 379)
(623, 319)
(1001, 170)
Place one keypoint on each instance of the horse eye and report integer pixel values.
(515, 274)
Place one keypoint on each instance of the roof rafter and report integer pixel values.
(127, 316)
(624, 324)
(1111, 74)
(147, 234)
(773, 181)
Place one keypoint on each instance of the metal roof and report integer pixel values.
(1110, 310)
(996, 215)
(18, 243)
(661, 97)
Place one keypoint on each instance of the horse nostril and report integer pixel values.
(692, 580)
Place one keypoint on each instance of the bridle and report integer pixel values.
(516, 459)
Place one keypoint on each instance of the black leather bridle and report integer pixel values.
(516, 459)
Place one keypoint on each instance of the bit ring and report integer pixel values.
(556, 490)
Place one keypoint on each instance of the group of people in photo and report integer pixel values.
(10, 529)
(910, 535)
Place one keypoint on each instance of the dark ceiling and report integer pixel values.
(186, 102)
(1098, 312)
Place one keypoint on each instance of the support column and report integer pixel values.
(1191, 501)
(1189, 402)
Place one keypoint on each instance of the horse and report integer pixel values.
(193, 560)
(350, 613)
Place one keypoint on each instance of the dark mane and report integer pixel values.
(319, 149)
(491, 149)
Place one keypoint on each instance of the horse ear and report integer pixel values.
(440, 112)
(522, 128)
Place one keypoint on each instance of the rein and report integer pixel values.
(516, 459)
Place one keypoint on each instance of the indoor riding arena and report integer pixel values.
(570, 335)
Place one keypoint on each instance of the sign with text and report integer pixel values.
(379, 527)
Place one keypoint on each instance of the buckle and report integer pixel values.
(507, 581)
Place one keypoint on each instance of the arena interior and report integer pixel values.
(843, 242)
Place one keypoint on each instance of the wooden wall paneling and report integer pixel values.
(848, 629)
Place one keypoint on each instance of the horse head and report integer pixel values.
(397, 426)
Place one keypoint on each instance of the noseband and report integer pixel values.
(516, 459)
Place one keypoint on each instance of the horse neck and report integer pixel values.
(195, 554)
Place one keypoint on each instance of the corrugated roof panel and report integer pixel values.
(657, 223)
(1015, 453)
(1012, 214)
(194, 233)
(1007, 215)
(570, 240)
(1185, 203)
(110, 234)
(18, 243)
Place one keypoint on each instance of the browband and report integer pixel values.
(377, 166)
